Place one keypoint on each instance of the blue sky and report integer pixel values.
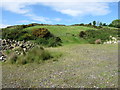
(57, 12)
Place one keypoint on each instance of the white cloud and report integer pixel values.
(39, 18)
(16, 7)
(70, 12)
(80, 8)
(4, 25)
(69, 7)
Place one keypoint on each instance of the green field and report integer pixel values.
(78, 64)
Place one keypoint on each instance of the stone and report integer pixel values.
(98, 41)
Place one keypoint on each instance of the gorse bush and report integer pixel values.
(41, 32)
(103, 34)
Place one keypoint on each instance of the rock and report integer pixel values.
(98, 41)
(2, 57)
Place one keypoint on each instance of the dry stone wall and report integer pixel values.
(19, 47)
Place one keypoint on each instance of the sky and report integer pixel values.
(14, 12)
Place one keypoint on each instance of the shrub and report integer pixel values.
(104, 24)
(12, 34)
(41, 41)
(54, 42)
(26, 37)
(50, 42)
(41, 32)
(36, 55)
(103, 34)
(82, 34)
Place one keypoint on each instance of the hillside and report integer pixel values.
(68, 34)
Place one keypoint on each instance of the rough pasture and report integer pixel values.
(85, 65)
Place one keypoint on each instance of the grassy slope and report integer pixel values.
(61, 31)
(82, 65)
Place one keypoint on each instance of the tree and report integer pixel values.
(110, 25)
(90, 24)
(104, 24)
(100, 24)
(94, 23)
(116, 23)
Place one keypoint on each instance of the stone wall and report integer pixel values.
(19, 47)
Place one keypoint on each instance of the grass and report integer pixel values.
(65, 32)
(35, 55)
(79, 65)
(109, 27)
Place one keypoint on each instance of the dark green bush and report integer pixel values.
(50, 42)
(41, 41)
(12, 34)
(82, 34)
(54, 42)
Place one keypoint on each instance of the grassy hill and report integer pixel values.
(68, 34)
